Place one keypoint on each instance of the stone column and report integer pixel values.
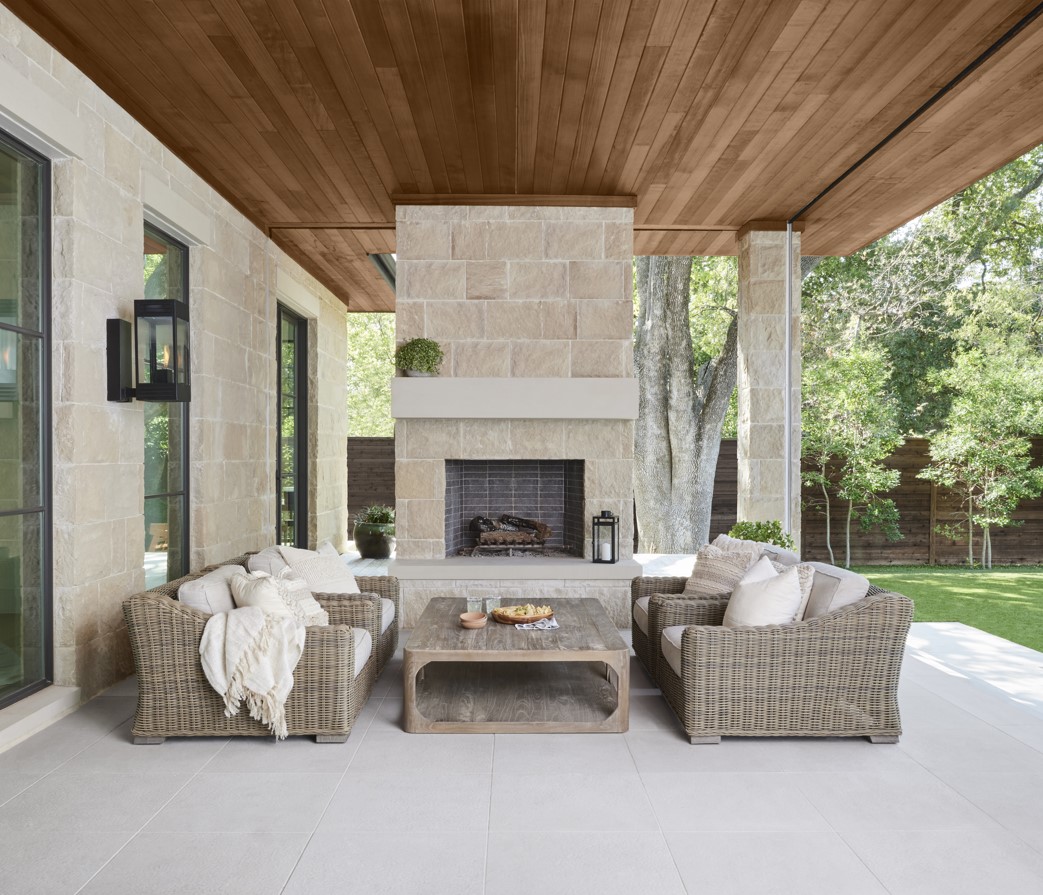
(762, 375)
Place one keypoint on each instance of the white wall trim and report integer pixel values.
(173, 213)
(30, 115)
(515, 399)
(296, 296)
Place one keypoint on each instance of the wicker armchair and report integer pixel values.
(835, 675)
(175, 698)
(643, 643)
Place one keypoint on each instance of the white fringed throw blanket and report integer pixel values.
(249, 654)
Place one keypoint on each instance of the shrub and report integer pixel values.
(421, 355)
(375, 515)
(763, 532)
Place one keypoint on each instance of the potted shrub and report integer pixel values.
(375, 532)
(419, 357)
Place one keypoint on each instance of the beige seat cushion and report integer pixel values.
(641, 613)
(363, 648)
(212, 592)
(671, 645)
(387, 613)
(833, 588)
(716, 573)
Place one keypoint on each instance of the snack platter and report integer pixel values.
(521, 615)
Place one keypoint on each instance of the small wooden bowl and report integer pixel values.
(473, 619)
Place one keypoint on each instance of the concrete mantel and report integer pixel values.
(496, 398)
(514, 568)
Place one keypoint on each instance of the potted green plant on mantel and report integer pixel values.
(419, 357)
(375, 532)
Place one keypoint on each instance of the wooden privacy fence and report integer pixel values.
(923, 506)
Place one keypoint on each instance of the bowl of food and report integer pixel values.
(521, 615)
(473, 619)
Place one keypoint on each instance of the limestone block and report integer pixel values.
(419, 479)
(484, 440)
(609, 479)
(600, 359)
(431, 439)
(481, 359)
(619, 242)
(592, 439)
(570, 240)
(423, 240)
(600, 280)
(420, 519)
(537, 279)
(766, 441)
(535, 213)
(455, 320)
(82, 375)
(122, 161)
(515, 240)
(761, 298)
(485, 212)
(469, 241)
(431, 213)
(431, 280)
(513, 320)
(85, 433)
(540, 439)
(559, 319)
(541, 359)
(486, 280)
(605, 319)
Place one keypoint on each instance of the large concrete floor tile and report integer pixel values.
(922, 708)
(432, 863)
(390, 680)
(248, 803)
(652, 713)
(388, 714)
(14, 782)
(753, 801)
(101, 802)
(1029, 733)
(116, 751)
(432, 752)
(197, 863)
(775, 863)
(251, 755)
(401, 799)
(66, 738)
(126, 688)
(1014, 800)
(556, 863)
(906, 800)
(35, 864)
(948, 749)
(570, 801)
(950, 862)
(562, 753)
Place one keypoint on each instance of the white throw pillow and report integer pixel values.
(762, 599)
(324, 574)
(833, 588)
(737, 545)
(211, 592)
(268, 560)
(716, 573)
(293, 590)
(258, 589)
(326, 548)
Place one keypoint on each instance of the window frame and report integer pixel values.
(300, 426)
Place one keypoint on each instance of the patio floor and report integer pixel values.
(956, 807)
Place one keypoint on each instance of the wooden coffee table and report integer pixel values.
(499, 679)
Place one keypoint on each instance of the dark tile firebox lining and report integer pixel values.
(548, 490)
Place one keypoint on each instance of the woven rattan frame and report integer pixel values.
(646, 587)
(836, 675)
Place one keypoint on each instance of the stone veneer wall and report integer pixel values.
(520, 292)
(99, 205)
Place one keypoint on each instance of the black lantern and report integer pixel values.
(604, 540)
(161, 350)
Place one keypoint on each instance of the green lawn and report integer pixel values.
(1006, 601)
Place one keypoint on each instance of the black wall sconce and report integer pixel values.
(160, 360)
(604, 536)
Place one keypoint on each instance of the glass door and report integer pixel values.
(25, 414)
(291, 463)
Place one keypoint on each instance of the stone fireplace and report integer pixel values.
(533, 308)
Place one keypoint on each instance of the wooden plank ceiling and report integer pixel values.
(309, 114)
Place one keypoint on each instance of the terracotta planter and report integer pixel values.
(374, 540)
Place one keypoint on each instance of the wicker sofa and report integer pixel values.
(175, 698)
(835, 675)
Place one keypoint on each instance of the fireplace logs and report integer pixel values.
(509, 533)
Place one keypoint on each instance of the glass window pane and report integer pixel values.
(23, 615)
(21, 474)
(165, 261)
(164, 552)
(164, 443)
(292, 428)
(22, 239)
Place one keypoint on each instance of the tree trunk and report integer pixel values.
(970, 532)
(847, 534)
(829, 534)
(680, 414)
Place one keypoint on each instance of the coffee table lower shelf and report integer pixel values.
(516, 697)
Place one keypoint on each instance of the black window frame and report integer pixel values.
(300, 427)
(46, 509)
